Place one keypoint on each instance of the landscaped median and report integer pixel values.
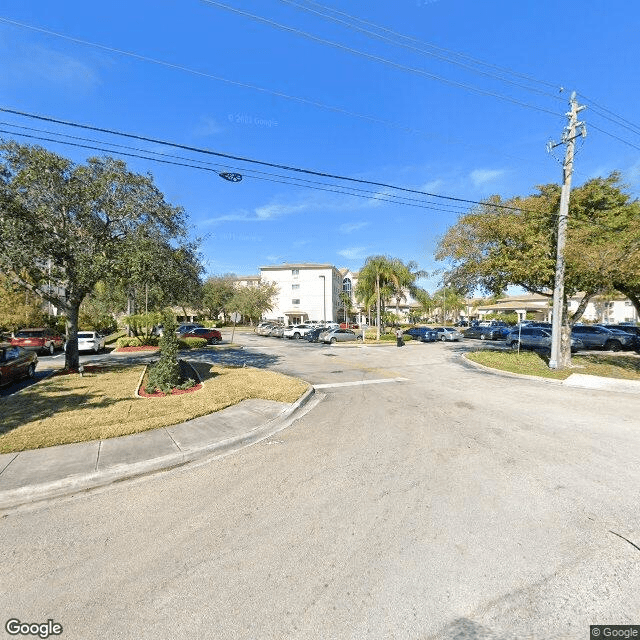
(102, 403)
(626, 367)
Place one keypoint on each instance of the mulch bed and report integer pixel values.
(131, 349)
(186, 371)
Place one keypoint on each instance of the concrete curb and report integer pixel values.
(575, 380)
(13, 498)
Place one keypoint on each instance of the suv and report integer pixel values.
(297, 331)
(423, 334)
(532, 337)
(41, 339)
(596, 337)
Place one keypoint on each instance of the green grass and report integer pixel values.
(71, 408)
(533, 364)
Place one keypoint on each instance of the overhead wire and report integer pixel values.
(437, 48)
(410, 47)
(279, 94)
(376, 58)
(243, 158)
(444, 207)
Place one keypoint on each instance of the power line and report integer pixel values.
(437, 48)
(595, 106)
(376, 58)
(412, 47)
(450, 208)
(279, 94)
(611, 135)
(245, 159)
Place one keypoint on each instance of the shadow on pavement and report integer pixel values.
(233, 357)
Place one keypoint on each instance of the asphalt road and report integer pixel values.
(451, 504)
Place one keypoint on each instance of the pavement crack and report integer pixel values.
(633, 544)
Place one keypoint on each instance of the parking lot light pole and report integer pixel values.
(324, 298)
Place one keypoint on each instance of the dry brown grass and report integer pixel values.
(70, 408)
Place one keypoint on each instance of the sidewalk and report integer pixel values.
(40, 474)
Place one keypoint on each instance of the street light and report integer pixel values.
(324, 298)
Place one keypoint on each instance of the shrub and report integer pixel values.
(192, 343)
(406, 337)
(165, 374)
(139, 341)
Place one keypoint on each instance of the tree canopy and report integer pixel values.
(494, 247)
(91, 222)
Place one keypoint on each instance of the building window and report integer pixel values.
(295, 301)
(295, 272)
(295, 286)
(346, 285)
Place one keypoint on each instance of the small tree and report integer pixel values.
(165, 374)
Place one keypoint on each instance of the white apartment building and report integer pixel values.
(307, 292)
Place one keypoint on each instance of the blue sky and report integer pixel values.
(389, 122)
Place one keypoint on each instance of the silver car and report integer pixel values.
(338, 335)
(448, 334)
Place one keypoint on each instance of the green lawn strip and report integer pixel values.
(70, 408)
(533, 364)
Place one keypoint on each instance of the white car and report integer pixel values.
(297, 331)
(89, 341)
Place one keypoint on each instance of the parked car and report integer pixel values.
(494, 332)
(597, 337)
(212, 336)
(16, 363)
(89, 341)
(41, 339)
(448, 334)
(297, 331)
(314, 334)
(186, 327)
(422, 334)
(462, 323)
(536, 338)
(349, 325)
(339, 335)
(277, 331)
(632, 329)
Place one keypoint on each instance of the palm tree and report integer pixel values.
(373, 276)
(402, 279)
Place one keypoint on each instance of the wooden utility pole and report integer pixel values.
(559, 357)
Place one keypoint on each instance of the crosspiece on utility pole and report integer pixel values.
(568, 138)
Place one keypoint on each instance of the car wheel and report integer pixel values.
(296, 336)
(443, 338)
(482, 336)
(52, 349)
(32, 371)
(612, 345)
(332, 341)
(515, 345)
(359, 338)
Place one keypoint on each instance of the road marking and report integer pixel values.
(357, 383)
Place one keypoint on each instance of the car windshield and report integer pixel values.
(29, 334)
(85, 334)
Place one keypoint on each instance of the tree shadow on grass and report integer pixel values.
(39, 402)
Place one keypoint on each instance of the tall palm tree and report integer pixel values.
(402, 279)
(372, 277)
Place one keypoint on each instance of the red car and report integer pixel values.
(40, 339)
(16, 363)
(212, 336)
(350, 325)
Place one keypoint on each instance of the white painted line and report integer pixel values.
(357, 383)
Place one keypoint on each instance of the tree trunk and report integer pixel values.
(565, 337)
(72, 358)
(378, 307)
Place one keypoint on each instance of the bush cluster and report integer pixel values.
(151, 341)
(192, 343)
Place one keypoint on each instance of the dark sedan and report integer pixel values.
(314, 334)
(212, 336)
(16, 363)
(422, 334)
(495, 332)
